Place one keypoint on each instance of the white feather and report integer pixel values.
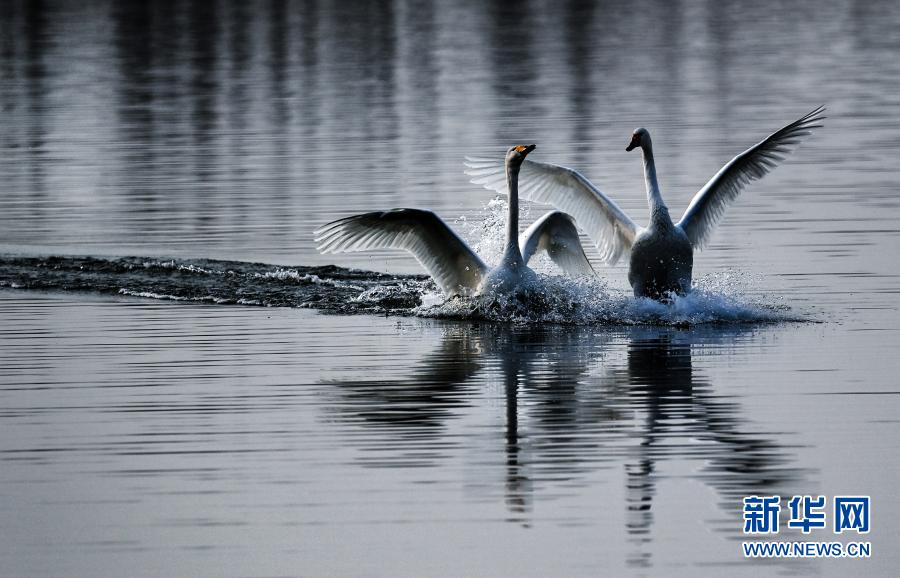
(446, 257)
(709, 204)
(612, 230)
(555, 233)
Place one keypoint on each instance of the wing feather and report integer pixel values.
(611, 230)
(446, 257)
(556, 233)
(709, 204)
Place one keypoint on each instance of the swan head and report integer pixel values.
(515, 155)
(639, 138)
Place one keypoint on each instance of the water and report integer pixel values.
(188, 388)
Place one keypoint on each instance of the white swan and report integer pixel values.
(448, 259)
(662, 254)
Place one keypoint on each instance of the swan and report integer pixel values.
(661, 255)
(454, 266)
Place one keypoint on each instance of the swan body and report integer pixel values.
(660, 255)
(454, 266)
(661, 262)
(511, 276)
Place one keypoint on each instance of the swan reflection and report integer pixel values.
(682, 417)
(549, 406)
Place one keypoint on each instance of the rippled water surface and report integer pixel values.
(188, 388)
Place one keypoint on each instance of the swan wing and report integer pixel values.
(555, 233)
(446, 257)
(612, 230)
(708, 205)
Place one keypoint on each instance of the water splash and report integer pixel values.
(487, 237)
(714, 300)
(327, 288)
(728, 297)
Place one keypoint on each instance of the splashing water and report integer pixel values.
(721, 298)
(488, 236)
(591, 301)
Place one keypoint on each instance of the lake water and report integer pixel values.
(188, 388)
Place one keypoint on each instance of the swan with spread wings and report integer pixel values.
(662, 253)
(453, 265)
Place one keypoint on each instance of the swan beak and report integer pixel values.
(635, 142)
(524, 150)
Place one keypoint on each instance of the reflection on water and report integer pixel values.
(575, 400)
(199, 433)
(682, 411)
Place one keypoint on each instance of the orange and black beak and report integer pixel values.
(635, 142)
(524, 150)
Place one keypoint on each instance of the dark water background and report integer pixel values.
(148, 437)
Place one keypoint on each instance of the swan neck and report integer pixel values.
(654, 197)
(512, 252)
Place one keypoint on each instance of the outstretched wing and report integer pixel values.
(446, 257)
(612, 231)
(708, 205)
(555, 233)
